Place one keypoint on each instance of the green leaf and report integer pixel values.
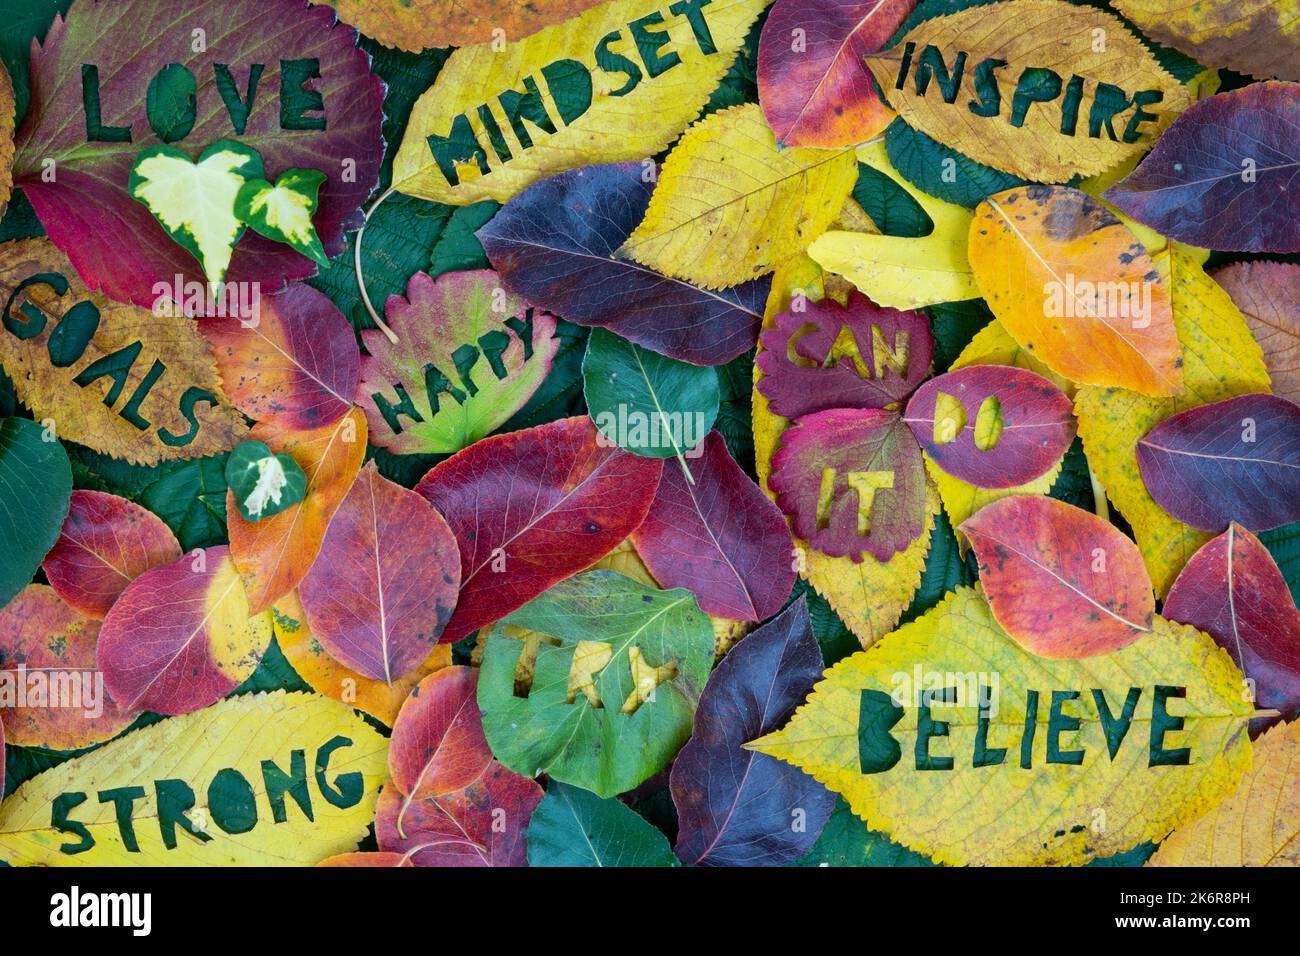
(283, 212)
(192, 500)
(572, 827)
(21, 21)
(954, 324)
(735, 419)
(846, 841)
(264, 483)
(195, 201)
(35, 486)
(889, 206)
(1284, 545)
(598, 629)
(941, 171)
(647, 403)
(457, 247)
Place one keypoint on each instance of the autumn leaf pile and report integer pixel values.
(649, 433)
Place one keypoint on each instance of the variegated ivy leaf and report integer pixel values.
(263, 483)
(283, 212)
(195, 201)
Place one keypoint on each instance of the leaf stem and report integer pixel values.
(356, 265)
(1099, 504)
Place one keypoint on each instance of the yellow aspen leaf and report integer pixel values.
(993, 346)
(1074, 286)
(1220, 359)
(1259, 824)
(1031, 69)
(275, 779)
(417, 25)
(869, 596)
(335, 680)
(617, 83)
(898, 271)
(1033, 780)
(730, 206)
(112, 376)
(1259, 37)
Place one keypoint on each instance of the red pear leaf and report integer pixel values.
(533, 507)
(831, 356)
(1232, 590)
(39, 632)
(295, 366)
(853, 481)
(106, 543)
(992, 425)
(315, 105)
(481, 825)
(1235, 460)
(812, 82)
(438, 744)
(720, 538)
(1268, 295)
(181, 636)
(384, 583)
(1060, 580)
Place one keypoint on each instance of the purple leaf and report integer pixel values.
(1226, 174)
(853, 481)
(721, 537)
(1026, 424)
(1235, 460)
(737, 807)
(554, 244)
(831, 356)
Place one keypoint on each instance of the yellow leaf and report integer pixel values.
(618, 83)
(327, 676)
(1259, 37)
(418, 25)
(6, 139)
(869, 596)
(1029, 40)
(898, 271)
(1220, 359)
(1001, 812)
(729, 206)
(112, 376)
(200, 790)
(1259, 824)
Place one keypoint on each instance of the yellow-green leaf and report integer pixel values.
(617, 83)
(730, 206)
(898, 271)
(1125, 788)
(200, 790)
(283, 212)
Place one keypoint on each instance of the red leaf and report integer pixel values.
(106, 542)
(481, 825)
(297, 367)
(812, 83)
(1232, 590)
(1060, 580)
(114, 241)
(1268, 295)
(853, 481)
(438, 744)
(1035, 430)
(532, 507)
(721, 537)
(1235, 460)
(831, 356)
(181, 636)
(384, 583)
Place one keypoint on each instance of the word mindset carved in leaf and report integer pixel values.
(751, 433)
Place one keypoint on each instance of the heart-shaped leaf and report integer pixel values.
(283, 212)
(263, 483)
(194, 200)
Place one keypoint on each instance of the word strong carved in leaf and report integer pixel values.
(469, 355)
(111, 376)
(1040, 88)
(617, 83)
(111, 81)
